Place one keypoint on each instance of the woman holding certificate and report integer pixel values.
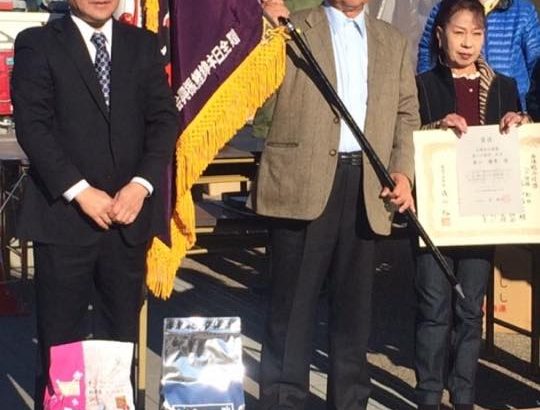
(462, 90)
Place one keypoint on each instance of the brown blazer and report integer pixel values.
(300, 155)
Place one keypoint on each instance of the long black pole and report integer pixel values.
(381, 171)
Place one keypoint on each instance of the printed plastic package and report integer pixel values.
(90, 375)
(202, 364)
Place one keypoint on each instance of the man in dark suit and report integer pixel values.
(325, 200)
(95, 115)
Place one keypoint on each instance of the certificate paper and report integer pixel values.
(443, 212)
(488, 172)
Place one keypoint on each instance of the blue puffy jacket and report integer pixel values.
(512, 44)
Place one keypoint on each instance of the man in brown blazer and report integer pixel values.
(325, 201)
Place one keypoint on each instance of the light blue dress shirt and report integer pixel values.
(349, 39)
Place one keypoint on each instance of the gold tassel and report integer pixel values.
(236, 100)
(151, 16)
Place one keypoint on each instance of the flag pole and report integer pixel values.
(382, 173)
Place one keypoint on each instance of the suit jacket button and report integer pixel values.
(333, 152)
(336, 120)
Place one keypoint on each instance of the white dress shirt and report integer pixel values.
(87, 31)
(349, 40)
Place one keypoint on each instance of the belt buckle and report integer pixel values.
(350, 158)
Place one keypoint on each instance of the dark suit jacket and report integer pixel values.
(533, 97)
(68, 133)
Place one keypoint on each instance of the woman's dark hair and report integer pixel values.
(447, 9)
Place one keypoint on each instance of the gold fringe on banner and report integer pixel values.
(151, 15)
(236, 100)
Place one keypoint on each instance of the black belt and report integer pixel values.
(350, 158)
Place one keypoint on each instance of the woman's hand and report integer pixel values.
(455, 121)
(511, 119)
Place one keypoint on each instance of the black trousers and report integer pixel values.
(338, 246)
(68, 278)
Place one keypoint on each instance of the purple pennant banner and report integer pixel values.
(209, 39)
